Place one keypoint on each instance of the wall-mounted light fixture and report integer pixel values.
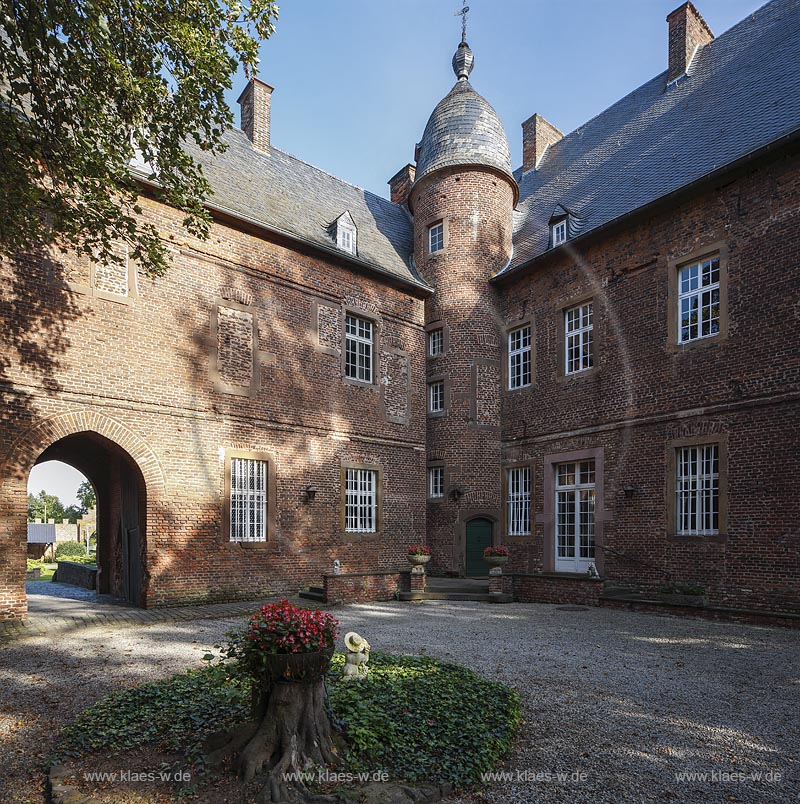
(631, 490)
(456, 493)
(310, 493)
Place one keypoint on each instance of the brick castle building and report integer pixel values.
(592, 358)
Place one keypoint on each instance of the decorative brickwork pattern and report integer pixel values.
(235, 346)
(329, 327)
(395, 379)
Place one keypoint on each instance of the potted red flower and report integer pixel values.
(285, 642)
(419, 554)
(496, 555)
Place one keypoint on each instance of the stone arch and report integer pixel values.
(30, 445)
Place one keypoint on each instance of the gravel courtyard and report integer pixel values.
(619, 704)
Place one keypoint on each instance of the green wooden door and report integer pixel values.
(479, 537)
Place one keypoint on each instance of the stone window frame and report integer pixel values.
(272, 497)
(530, 463)
(445, 236)
(92, 291)
(561, 337)
(220, 386)
(434, 325)
(373, 385)
(718, 248)
(352, 536)
(445, 381)
(527, 321)
(672, 447)
(548, 516)
(445, 481)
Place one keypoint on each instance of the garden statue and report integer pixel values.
(357, 657)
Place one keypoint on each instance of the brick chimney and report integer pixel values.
(400, 184)
(537, 135)
(688, 32)
(254, 103)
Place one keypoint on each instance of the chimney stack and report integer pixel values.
(401, 183)
(688, 32)
(537, 136)
(254, 103)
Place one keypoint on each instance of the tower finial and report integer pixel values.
(463, 14)
(464, 60)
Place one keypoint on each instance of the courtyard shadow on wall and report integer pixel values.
(36, 309)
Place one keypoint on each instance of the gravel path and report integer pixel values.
(619, 702)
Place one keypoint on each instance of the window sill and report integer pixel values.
(716, 538)
(578, 375)
(368, 386)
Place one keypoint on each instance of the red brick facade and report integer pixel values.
(647, 395)
(237, 348)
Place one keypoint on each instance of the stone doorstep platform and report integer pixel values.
(464, 589)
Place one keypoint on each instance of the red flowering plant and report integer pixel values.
(419, 550)
(280, 628)
(496, 550)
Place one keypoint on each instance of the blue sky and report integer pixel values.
(356, 80)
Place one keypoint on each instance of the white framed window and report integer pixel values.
(559, 232)
(358, 348)
(361, 501)
(435, 342)
(347, 239)
(248, 500)
(575, 498)
(436, 481)
(579, 338)
(436, 237)
(436, 396)
(519, 358)
(698, 300)
(697, 490)
(518, 500)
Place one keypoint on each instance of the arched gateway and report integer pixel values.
(127, 478)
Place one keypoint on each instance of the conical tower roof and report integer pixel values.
(464, 129)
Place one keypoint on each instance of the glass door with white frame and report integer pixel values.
(574, 516)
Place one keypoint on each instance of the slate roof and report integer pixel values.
(742, 93)
(463, 130)
(283, 193)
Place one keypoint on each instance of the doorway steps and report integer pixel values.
(457, 589)
(315, 593)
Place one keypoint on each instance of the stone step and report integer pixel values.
(457, 596)
(315, 593)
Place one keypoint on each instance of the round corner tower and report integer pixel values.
(462, 201)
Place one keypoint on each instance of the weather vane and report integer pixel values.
(463, 14)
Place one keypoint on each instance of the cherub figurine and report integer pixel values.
(355, 665)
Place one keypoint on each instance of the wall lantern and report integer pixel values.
(631, 491)
(456, 493)
(310, 493)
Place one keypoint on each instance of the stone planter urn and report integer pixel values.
(496, 561)
(417, 560)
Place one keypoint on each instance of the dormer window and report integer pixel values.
(564, 224)
(346, 233)
(559, 232)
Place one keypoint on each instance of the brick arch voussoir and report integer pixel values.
(27, 448)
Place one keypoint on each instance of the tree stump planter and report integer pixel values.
(290, 733)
